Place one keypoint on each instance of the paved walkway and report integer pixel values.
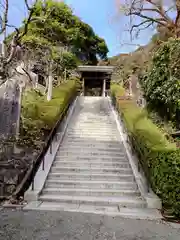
(35, 225)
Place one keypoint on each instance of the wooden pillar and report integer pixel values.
(83, 87)
(19, 111)
(104, 88)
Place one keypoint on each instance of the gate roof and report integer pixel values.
(89, 68)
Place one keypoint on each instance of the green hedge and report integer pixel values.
(161, 83)
(39, 116)
(159, 158)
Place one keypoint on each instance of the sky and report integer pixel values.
(101, 15)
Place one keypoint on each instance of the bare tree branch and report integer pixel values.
(31, 11)
(4, 19)
(27, 5)
(178, 11)
(140, 24)
(152, 11)
(8, 57)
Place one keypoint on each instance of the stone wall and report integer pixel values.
(13, 170)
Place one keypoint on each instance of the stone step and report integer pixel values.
(93, 133)
(98, 201)
(107, 117)
(91, 168)
(83, 148)
(90, 119)
(91, 116)
(90, 192)
(92, 164)
(83, 126)
(86, 153)
(88, 139)
(94, 129)
(92, 176)
(93, 122)
(94, 138)
(61, 169)
(97, 121)
(72, 207)
(91, 184)
(92, 158)
(84, 140)
(98, 128)
(92, 144)
(98, 136)
(113, 211)
(93, 126)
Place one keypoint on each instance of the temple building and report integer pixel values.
(96, 80)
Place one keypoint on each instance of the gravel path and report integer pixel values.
(31, 225)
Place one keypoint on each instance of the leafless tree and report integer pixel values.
(143, 14)
(10, 52)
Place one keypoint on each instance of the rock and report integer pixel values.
(13, 201)
(10, 189)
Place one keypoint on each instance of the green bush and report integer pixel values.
(39, 115)
(159, 158)
(161, 84)
(117, 89)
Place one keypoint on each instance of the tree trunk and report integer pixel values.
(49, 94)
(19, 101)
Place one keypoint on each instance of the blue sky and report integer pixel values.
(101, 15)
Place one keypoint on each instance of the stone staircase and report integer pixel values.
(91, 171)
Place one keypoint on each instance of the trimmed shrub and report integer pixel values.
(117, 90)
(159, 158)
(39, 116)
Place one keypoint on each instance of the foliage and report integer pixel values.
(39, 116)
(61, 29)
(160, 158)
(161, 84)
(117, 89)
(67, 60)
(135, 62)
(138, 60)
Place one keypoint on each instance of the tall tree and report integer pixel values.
(63, 28)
